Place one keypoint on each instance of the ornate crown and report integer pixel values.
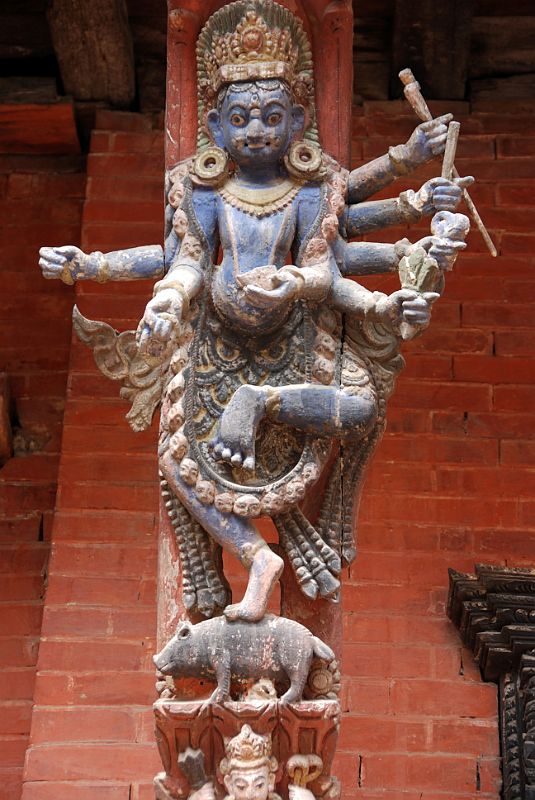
(254, 40)
(246, 750)
(252, 51)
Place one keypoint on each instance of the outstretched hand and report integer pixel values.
(65, 263)
(444, 251)
(407, 305)
(428, 140)
(440, 194)
(162, 315)
(285, 289)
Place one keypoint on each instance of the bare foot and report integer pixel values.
(263, 575)
(236, 433)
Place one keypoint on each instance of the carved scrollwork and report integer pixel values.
(510, 739)
(206, 746)
(323, 681)
(116, 355)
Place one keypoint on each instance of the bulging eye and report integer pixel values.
(274, 119)
(237, 120)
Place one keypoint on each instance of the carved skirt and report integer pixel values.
(212, 363)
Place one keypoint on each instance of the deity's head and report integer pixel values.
(248, 769)
(256, 121)
(256, 90)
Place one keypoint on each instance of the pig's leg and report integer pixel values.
(240, 538)
(298, 678)
(222, 672)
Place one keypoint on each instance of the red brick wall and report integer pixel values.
(92, 723)
(452, 483)
(40, 198)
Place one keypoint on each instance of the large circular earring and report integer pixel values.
(210, 166)
(304, 160)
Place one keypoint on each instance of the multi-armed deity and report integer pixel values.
(272, 367)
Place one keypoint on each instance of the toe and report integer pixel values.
(226, 454)
(231, 612)
(249, 463)
(236, 460)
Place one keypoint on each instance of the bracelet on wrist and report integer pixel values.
(170, 283)
(399, 158)
(95, 267)
(409, 210)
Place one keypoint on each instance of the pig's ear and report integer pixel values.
(183, 630)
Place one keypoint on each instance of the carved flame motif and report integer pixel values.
(117, 357)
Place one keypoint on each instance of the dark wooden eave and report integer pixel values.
(495, 613)
(433, 39)
(93, 45)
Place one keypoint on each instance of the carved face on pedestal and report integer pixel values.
(249, 769)
(255, 123)
(250, 784)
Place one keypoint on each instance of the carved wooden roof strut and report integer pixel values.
(494, 610)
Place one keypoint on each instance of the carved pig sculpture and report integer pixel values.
(274, 648)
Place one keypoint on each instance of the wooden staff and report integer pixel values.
(451, 147)
(414, 96)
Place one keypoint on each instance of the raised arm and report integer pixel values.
(71, 264)
(426, 141)
(437, 194)
(404, 306)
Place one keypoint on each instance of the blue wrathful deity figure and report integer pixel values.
(270, 362)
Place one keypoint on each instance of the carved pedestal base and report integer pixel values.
(308, 729)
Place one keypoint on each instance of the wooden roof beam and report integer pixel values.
(6, 439)
(433, 39)
(93, 45)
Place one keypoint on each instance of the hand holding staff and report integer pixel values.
(414, 96)
(451, 147)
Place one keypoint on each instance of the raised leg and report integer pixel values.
(240, 538)
(325, 410)
(236, 432)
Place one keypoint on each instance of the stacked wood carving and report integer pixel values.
(273, 370)
(309, 728)
(494, 610)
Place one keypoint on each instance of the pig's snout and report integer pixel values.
(160, 661)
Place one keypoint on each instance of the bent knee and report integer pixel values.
(357, 413)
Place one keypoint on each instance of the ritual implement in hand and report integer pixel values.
(414, 96)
